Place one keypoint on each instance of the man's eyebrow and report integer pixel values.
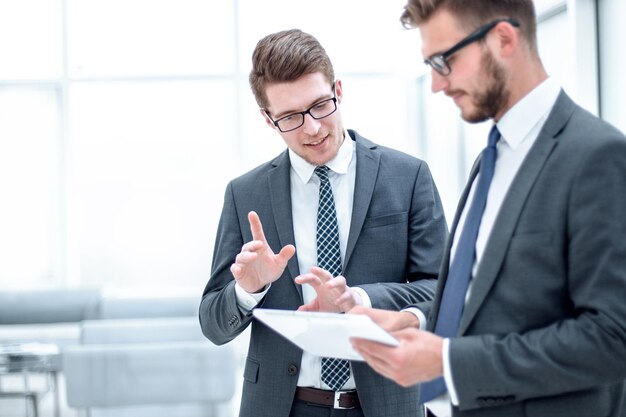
(440, 52)
(313, 103)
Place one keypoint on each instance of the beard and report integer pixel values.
(493, 98)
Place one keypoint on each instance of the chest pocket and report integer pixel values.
(385, 220)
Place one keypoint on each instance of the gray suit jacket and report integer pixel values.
(394, 249)
(544, 329)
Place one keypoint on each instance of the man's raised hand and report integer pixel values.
(257, 265)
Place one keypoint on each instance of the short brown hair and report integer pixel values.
(472, 14)
(286, 56)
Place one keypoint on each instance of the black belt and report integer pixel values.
(335, 399)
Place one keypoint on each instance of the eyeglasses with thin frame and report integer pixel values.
(439, 62)
(319, 110)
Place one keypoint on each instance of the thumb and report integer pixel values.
(286, 253)
(308, 307)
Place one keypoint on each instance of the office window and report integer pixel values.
(30, 187)
(612, 33)
(122, 121)
(30, 39)
(148, 160)
(143, 38)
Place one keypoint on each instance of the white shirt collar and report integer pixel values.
(532, 109)
(338, 164)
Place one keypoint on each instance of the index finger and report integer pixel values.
(321, 273)
(256, 227)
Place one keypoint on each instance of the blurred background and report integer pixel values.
(121, 122)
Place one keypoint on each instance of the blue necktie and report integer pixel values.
(335, 372)
(460, 273)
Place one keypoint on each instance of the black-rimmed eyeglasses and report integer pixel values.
(439, 62)
(317, 111)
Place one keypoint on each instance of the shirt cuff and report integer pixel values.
(247, 301)
(447, 372)
(420, 316)
(365, 299)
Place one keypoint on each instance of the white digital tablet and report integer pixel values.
(324, 334)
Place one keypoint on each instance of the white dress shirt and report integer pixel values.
(304, 202)
(519, 129)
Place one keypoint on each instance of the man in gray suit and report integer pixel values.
(540, 327)
(391, 231)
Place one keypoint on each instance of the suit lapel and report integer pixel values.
(512, 206)
(367, 164)
(280, 197)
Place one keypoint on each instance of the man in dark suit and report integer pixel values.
(540, 322)
(391, 232)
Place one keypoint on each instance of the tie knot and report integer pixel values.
(322, 173)
(494, 136)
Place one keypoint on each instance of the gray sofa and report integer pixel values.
(126, 356)
(153, 367)
(75, 305)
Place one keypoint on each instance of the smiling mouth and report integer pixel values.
(317, 143)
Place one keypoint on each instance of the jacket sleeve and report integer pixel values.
(426, 237)
(220, 317)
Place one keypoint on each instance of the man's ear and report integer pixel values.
(338, 91)
(507, 38)
(267, 119)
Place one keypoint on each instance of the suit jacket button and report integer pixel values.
(292, 369)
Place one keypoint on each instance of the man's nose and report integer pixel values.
(311, 126)
(438, 82)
